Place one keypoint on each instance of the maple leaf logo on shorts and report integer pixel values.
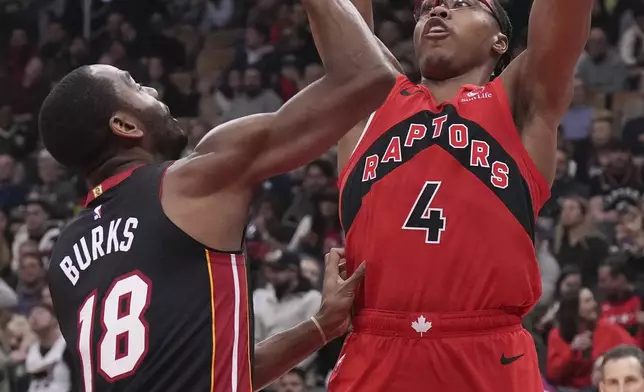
(421, 325)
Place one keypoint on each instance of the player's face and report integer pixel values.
(162, 135)
(454, 36)
(587, 305)
(622, 375)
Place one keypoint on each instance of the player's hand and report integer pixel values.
(582, 342)
(338, 292)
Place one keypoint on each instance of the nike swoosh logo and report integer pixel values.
(507, 361)
(407, 93)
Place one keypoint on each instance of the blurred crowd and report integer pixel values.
(213, 61)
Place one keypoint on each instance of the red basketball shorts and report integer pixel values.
(485, 351)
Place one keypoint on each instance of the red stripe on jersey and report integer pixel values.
(109, 183)
(229, 298)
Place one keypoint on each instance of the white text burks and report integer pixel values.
(119, 238)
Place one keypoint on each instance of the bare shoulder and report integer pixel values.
(202, 193)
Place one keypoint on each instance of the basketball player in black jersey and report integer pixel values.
(149, 282)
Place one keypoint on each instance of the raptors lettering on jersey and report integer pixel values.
(458, 137)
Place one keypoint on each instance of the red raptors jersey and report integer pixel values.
(441, 200)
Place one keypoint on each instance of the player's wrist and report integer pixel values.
(330, 325)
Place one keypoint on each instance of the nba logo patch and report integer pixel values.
(97, 213)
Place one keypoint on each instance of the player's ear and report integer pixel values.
(501, 44)
(125, 125)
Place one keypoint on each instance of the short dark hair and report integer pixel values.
(74, 119)
(617, 263)
(299, 372)
(325, 166)
(621, 352)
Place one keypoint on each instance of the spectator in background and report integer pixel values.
(320, 231)
(6, 273)
(577, 240)
(257, 52)
(318, 176)
(48, 364)
(11, 194)
(231, 89)
(312, 270)
(569, 281)
(622, 369)
(633, 136)
(292, 381)
(181, 104)
(52, 188)
(31, 91)
(207, 14)
(576, 122)
(255, 98)
(564, 185)
(579, 339)
(130, 38)
(621, 182)
(17, 138)
(312, 72)
(37, 228)
(287, 300)
(589, 153)
(55, 42)
(621, 305)
(602, 70)
(110, 32)
(31, 280)
(18, 55)
(631, 44)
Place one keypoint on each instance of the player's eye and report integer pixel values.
(460, 4)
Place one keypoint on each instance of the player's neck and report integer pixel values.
(444, 90)
(115, 165)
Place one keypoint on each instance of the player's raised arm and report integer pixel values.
(539, 81)
(350, 139)
(357, 81)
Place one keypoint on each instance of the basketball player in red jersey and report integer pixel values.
(440, 189)
(149, 281)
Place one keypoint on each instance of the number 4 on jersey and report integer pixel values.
(423, 217)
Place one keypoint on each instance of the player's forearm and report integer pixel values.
(557, 33)
(282, 352)
(345, 42)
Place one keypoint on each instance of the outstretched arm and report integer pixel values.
(280, 353)
(358, 78)
(349, 141)
(539, 81)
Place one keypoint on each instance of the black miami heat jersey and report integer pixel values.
(143, 306)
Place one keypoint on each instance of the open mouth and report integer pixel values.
(436, 28)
